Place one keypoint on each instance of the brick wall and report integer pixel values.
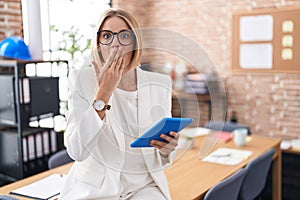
(10, 18)
(268, 103)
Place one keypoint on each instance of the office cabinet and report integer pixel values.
(198, 106)
(40, 97)
(37, 145)
(7, 103)
(290, 175)
(24, 150)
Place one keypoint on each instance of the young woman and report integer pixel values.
(110, 105)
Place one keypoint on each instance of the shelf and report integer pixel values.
(25, 150)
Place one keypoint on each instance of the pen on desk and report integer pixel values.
(221, 155)
(54, 197)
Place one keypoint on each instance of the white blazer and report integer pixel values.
(95, 173)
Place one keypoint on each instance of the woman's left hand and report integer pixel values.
(166, 148)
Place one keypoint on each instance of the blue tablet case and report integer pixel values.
(164, 126)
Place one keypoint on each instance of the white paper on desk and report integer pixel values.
(43, 189)
(194, 132)
(227, 156)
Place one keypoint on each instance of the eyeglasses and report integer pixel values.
(125, 37)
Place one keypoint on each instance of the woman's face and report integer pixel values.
(116, 25)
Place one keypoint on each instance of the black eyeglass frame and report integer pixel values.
(116, 33)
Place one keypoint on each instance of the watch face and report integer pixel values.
(99, 105)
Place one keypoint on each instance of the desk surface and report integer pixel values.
(189, 177)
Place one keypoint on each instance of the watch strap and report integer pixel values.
(106, 107)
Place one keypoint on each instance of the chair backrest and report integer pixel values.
(225, 126)
(256, 177)
(5, 197)
(228, 189)
(59, 158)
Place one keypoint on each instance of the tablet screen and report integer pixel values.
(164, 126)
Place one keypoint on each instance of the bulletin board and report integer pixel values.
(266, 40)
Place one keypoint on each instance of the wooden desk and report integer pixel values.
(189, 177)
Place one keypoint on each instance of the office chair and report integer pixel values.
(228, 189)
(256, 177)
(225, 126)
(59, 158)
(5, 197)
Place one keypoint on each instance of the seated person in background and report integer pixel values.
(110, 105)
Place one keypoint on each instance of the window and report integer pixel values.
(51, 26)
(68, 26)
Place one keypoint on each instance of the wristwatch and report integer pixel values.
(99, 105)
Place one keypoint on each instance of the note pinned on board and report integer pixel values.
(227, 156)
(256, 56)
(256, 28)
(45, 188)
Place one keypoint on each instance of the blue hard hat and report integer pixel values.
(14, 47)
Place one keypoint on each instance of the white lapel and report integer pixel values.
(144, 104)
(112, 121)
(88, 83)
(144, 117)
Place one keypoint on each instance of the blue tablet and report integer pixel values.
(164, 126)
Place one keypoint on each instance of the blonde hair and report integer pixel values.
(133, 25)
